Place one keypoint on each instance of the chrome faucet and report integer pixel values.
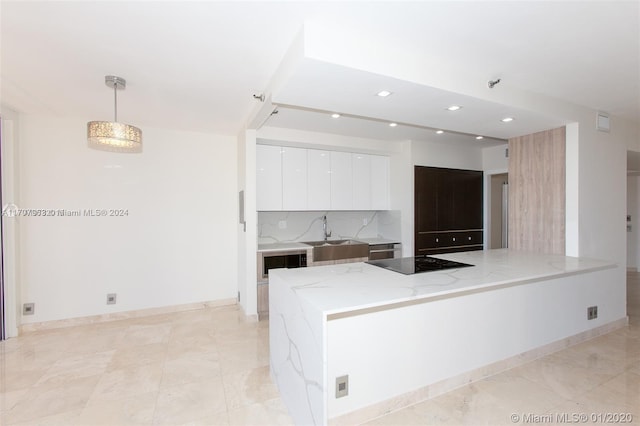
(324, 227)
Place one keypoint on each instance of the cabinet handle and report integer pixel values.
(454, 238)
(469, 238)
(437, 240)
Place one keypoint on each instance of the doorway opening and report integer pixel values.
(2, 310)
(499, 211)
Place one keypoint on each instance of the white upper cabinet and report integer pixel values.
(294, 178)
(361, 164)
(341, 181)
(312, 179)
(380, 178)
(318, 179)
(268, 178)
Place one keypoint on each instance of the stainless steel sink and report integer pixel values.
(338, 249)
(332, 243)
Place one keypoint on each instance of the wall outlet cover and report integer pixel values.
(28, 309)
(603, 122)
(342, 386)
(111, 299)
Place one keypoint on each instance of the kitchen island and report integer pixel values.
(398, 339)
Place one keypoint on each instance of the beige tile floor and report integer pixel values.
(210, 367)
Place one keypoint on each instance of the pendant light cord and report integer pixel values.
(115, 98)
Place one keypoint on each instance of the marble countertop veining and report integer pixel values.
(347, 287)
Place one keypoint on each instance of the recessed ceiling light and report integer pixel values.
(383, 93)
(507, 119)
(335, 115)
(479, 137)
(393, 124)
(454, 107)
(439, 132)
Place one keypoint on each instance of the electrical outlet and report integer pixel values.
(28, 309)
(238, 296)
(342, 386)
(282, 224)
(592, 312)
(111, 299)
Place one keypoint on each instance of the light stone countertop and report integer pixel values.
(372, 241)
(297, 245)
(262, 248)
(347, 287)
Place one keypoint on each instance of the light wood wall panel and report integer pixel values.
(537, 192)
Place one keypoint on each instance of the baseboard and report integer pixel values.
(251, 318)
(435, 389)
(116, 316)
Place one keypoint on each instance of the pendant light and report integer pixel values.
(111, 135)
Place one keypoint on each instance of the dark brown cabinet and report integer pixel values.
(448, 210)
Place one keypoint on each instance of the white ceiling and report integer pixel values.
(196, 65)
(418, 110)
(370, 128)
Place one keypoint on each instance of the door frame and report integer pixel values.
(487, 203)
(9, 128)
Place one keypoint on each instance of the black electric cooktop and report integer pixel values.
(417, 265)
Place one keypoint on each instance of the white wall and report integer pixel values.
(602, 165)
(495, 158)
(176, 246)
(247, 240)
(317, 140)
(10, 261)
(572, 189)
(453, 156)
(401, 193)
(632, 209)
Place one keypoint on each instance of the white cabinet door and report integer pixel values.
(380, 176)
(294, 178)
(361, 164)
(341, 181)
(311, 179)
(319, 179)
(268, 178)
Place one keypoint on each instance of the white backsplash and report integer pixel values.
(389, 224)
(276, 227)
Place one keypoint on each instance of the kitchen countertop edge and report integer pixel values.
(346, 298)
(299, 245)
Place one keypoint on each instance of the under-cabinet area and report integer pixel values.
(315, 253)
